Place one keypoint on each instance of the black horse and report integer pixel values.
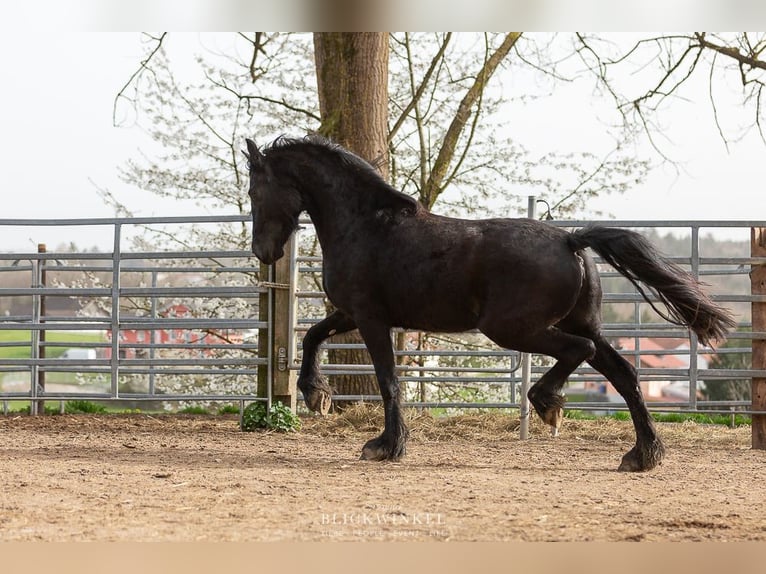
(527, 285)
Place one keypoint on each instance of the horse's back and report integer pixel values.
(445, 274)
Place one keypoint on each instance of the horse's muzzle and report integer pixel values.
(267, 255)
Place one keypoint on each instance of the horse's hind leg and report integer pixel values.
(316, 391)
(649, 450)
(545, 395)
(569, 351)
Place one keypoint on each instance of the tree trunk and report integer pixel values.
(352, 81)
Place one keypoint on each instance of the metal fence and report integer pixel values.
(133, 324)
(195, 325)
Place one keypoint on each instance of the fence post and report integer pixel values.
(284, 384)
(114, 318)
(264, 334)
(758, 312)
(526, 358)
(38, 335)
(693, 340)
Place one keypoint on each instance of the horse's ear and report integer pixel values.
(253, 154)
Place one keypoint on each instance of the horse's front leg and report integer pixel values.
(316, 391)
(390, 445)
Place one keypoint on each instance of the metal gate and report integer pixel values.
(133, 325)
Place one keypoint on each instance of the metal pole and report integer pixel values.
(41, 338)
(35, 339)
(153, 335)
(526, 359)
(115, 319)
(693, 341)
(270, 352)
(526, 379)
(292, 246)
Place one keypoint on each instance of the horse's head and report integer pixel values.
(276, 205)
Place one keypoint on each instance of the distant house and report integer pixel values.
(656, 353)
(131, 338)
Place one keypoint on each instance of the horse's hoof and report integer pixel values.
(642, 460)
(317, 394)
(554, 417)
(319, 401)
(549, 407)
(378, 449)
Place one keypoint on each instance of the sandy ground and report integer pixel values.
(186, 478)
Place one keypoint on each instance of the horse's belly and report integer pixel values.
(438, 314)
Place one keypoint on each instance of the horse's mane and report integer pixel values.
(317, 143)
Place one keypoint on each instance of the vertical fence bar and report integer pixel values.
(270, 350)
(526, 359)
(34, 369)
(264, 334)
(153, 335)
(524, 410)
(115, 318)
(693, 341)
(292, 303)
(41, 248)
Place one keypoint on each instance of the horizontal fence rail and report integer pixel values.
(134, 324)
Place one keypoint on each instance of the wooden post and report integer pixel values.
(758, 312)
(285, 379)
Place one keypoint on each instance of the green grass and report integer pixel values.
(88, 407)
(193, 410)
(701, 418)
(71, 337)
(25, 336)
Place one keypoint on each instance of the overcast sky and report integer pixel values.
(60, 144)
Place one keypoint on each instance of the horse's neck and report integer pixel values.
(329, 212)
(337, 209)
(340, 202)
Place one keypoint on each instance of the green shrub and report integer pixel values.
(280, 418)
(228, 410)
(74, 407)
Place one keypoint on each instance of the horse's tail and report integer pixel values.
(638, 260)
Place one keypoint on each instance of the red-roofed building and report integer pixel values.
(131, 337)
(655, 353)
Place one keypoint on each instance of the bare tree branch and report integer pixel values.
(258, 44)
(446, 152)
(471, 132)
(747, 59)
(141, 69)
(679, 57)
(418, 93)
(715, 108)
(283, 103)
